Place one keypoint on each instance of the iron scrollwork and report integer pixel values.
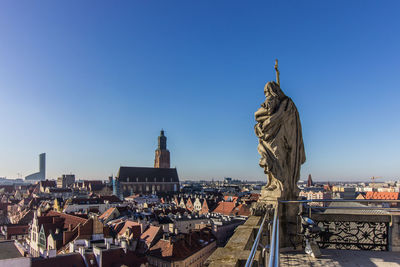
(353, 235)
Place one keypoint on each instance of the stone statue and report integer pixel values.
(280, 143)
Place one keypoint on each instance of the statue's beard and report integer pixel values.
(271, 105)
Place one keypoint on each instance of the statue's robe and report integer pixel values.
(281, 144)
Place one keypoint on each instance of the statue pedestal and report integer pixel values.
(289, 220)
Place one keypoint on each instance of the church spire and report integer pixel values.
(162, 157)
(310, 181)
(162, 141)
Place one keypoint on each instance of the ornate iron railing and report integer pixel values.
(353, 235)
(351, 231)
(338, 231)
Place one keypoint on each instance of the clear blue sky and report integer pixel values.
(91, 83)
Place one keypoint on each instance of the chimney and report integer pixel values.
(82, 251)
(124, 245)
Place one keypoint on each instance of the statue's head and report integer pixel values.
(272, 90)
(274, 95)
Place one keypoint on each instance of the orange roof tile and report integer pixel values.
(107, 213)
(128, 224)
(181, 248)
(149, 235)
(382, 195)
(225, 208)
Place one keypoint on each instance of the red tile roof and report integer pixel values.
(68, 219)
(107, 213)
(382, 195)
(149, 235)
(242, 210)
(135, 226)
(225, 208)
(181, 248)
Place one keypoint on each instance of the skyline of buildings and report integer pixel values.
(162, 156)
(90, 109)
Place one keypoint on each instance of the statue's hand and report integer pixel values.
(261, 112)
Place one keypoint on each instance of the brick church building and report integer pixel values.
(145, 180)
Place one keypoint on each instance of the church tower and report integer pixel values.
(310, 181)
(162, 153)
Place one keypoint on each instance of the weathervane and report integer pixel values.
(277, 72)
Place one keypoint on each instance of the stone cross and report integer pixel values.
(277, 72)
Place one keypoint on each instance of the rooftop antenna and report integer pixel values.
(277, 72)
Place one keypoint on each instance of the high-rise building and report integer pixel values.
(41, 175)
(162, 159)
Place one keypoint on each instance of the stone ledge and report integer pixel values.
(238, 248)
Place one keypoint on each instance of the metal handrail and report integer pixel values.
(250, 259)
(339, 200)
(274, 244)
(274, 247)
(355, 208)
(277, 252)
(390, 209)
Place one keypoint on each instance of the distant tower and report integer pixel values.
(162, 154)
(41, 175)
(309, 181)
(42, 166)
